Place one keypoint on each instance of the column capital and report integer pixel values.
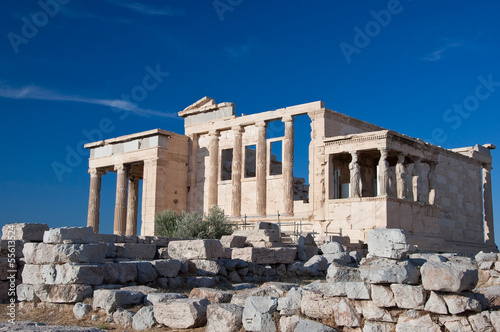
(261, 124)
(287, 118)
(121, 167)
(96, 171)
(237, 129)
(383, 152)
(354, 155)
(401, 157)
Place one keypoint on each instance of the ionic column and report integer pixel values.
(213, 167)
(489, 234)
(417, 180)
(288, 145)
(236, 172)
(432, 178)
(401, 176)
(132, 205)
(121, 199)
(261, 168)
(383, 172)
(355, 173)
(94, 198)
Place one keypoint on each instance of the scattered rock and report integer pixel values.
(123, 317)
(144, 319)
(258, 313)
(388, 243)
(449, 276)
(182, 313)
(224, 317)
(81, 309)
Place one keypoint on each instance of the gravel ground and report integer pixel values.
(33, 326)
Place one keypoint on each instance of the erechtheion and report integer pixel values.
(361, 176)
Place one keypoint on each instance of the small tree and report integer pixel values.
(216, 223)
(190, 226)
(167, 222)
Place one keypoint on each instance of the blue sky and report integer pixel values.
(71, 71)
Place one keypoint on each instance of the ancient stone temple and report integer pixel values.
(360, 176)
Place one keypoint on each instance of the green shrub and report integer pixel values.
(166, 222)
(212, 225)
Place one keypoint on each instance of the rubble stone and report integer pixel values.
(110, 299)
(69, 235)
(195, 249)
(224, 317)
(386, 271)
(143, 319)
(265, 255)
(258, 313)
(409, 297)
(81, 309)
(43, 253)
(449, 276)
(388, 243)
(182, 313)
(213, 295)
(123, 317)
(27, 232)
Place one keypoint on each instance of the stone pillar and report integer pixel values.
(489, 234)
(261, 171)
(94, 198)
(288, 146)
(401, 176)
(132, 205)
(417, 180)
(213, 168)
(432, 178)
(355, 173)
(236, 172)
(121, 199)
(383, 173)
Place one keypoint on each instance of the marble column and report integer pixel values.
(213, 168)
(401, 176)
(236, 172)
(288, 146)
(489, 234)
(94, 198)
(121, 199)
(261, 171)
(417, 180)
(355, 173)
(432, 178)
(132, 205)
(383, 173)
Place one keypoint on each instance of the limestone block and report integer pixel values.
(280, 286)
(481, 322)
(62, 293)
(458, 303)
(143, 319)
(203, 267)
(420, 324)
(409, 297)
(385, 271)
(332, 248)
(307, 325)
(357, 290)
(167, 267)
(291, 301)
(258, 313)
(298, 268)
(329, 289)
(373, 313)
(233, 241)
(69, 235)
(69, 273)
(341, 258)
(195, 249)
(346, 315)
(213, 295)
(489, 296)
(123, 317)
(146, 272)
(455, 323)
(306, 247)
(266, 225)
(339, 273)
(495, 320)
(193, 282)
(27, 232)
(81, 309)
(288, 324)
(145, 290)
(111, 299)
(182, 313)
(261, 235)
(119, 273)
(378, 327)
(382, 296)
(263, 291)
(43, 253)
(224, 317)
(159, 241)
(315, 305)
(449, 276)
(317, 262)
(486, 257)
(388, 243)
(26, 292)
(265, 255)
(106, 238)
(155, 298)
(135, 251)
(436, 304)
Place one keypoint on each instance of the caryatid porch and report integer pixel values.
(159, 158)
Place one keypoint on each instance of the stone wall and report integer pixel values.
(392, 289)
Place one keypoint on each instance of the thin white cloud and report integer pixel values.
(37, 93)
(239, 51)
(438, 54)
(146, 9)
